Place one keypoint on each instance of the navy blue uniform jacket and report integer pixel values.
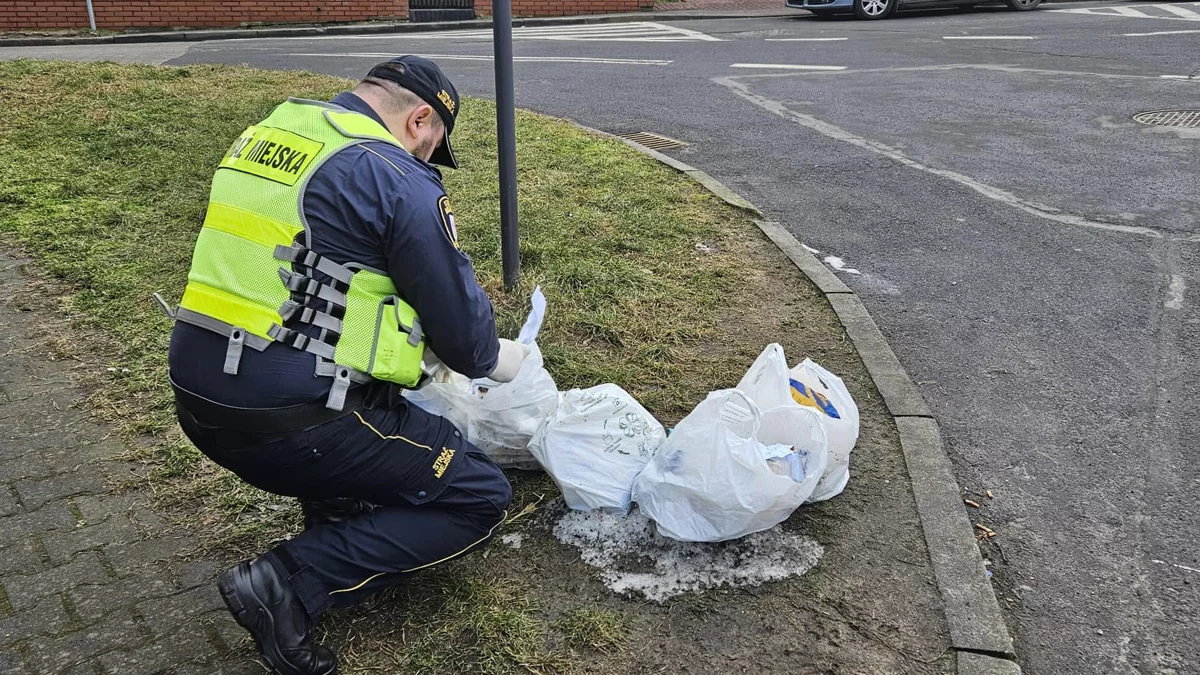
(361, 210)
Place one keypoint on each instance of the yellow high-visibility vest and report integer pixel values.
(252, 275)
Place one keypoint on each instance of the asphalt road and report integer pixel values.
(1029, 250)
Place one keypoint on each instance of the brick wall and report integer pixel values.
(121, 14)
(566, 7)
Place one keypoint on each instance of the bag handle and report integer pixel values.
(751, 407)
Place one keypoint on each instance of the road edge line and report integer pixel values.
(978, 633)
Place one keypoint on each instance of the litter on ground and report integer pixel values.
(634, 560)
(731, 471)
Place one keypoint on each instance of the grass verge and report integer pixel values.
(652, 284)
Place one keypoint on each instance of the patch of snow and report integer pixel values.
(839, 265)
(633, 558)
(1175, 292)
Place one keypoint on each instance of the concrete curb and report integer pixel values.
(978, 634)
(371, 29)
(972, 612)
(897, 389)
(978, 664)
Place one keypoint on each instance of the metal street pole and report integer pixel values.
(91, 16)
(506, 138)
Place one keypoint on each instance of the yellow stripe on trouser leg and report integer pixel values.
(389, 438)
(426, 565)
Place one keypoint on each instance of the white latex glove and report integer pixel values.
(434, 368)
(512, 354)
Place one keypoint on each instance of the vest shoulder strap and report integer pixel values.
(357, 125)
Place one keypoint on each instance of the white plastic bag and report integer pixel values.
(770, 384)
(448, 396)
(498, 418)
(766, 383)
(818, 389)
(595, 444)
(711, 480)
(508, 415)
(799, 447)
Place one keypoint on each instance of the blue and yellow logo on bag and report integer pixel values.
(803, 395)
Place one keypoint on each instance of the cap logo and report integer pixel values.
(446, 101)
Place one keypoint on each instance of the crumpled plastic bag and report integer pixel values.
(594, 446)
(813, 386)
(713, 479)
(498, 418)
(766, 382)
(770, 384)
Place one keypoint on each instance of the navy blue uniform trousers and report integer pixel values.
(438, 497)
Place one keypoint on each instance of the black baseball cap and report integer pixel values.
(423, 78)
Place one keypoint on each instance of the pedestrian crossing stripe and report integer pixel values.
(642, 31)
(1175, 12)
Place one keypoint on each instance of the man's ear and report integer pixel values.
(421, 116)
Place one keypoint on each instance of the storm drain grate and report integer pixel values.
(653, 141)
(1189, 119)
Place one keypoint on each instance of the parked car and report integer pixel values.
(882, 9)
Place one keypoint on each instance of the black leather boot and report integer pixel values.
(333, 510)
(262, 602)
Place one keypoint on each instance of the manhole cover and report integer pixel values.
(653, 141)
(1170, 118)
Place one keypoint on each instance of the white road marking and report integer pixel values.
(806, 39)
(1175, 77)
(1168, 12)
(643, 31)
(1161, 32)
(988, 37)
(990, 191)
(979, 66)
(1175, 299)
(1131, 11)
(1179, 11)
(783, 66)
(1182, 567)
(489, 57)
(562, 30)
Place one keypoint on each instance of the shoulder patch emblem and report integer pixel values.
(448, 224)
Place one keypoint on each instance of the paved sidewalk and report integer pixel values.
(92, 581)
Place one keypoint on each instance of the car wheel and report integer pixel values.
(877, 9)
(1022, 5)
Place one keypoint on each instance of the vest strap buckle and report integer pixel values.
(294, 338)
(339, 389)
(233, 353)
(163, 306)
(313, 260)
(416, 334)
(299, 283)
